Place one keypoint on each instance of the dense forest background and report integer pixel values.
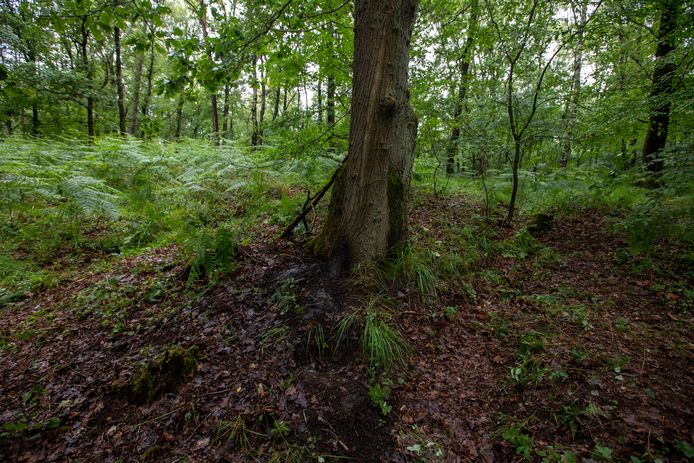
(155, 154)
(581, 75)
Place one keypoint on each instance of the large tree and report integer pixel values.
(367, 213)
(661, 89)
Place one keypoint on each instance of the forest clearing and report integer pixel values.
(369, 231)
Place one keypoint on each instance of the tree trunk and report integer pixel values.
(263, 103)
(34, 119)
(514, 188)
(119, 82)
(255, 135)
(179, 117)
(284, 102)
(150, 75)
(367, 213)
(31, 58)
(661, 89)
(276, 109)
(225, 109)
(464, 67)
(319, 95)
(139, 61)
(580, 13)
(213, 95)
(90, 77)
(330, 100)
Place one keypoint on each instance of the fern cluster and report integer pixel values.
(65, 198)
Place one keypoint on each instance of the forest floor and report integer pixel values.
(563, 347)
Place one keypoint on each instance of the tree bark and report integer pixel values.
(225, 109)
(580, 13)
(119, 82)
(367, 213)
(255, 135)
(135, 104)
(661, 88)
(276, 109)
(213, 95)
(464, 67)
(150, 75)
(90, 77)
(330, 100)
(263, 103)
(179, 117)
(319, 96)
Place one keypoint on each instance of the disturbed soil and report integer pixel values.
(536, 349)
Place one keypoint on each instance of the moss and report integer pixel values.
(541, 224)
(163, 375)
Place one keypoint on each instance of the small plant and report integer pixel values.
(450, 312)
(279, 428)
(272, 337)
(379, 393)
(14, 429)
(498, 324)
(411, 268)
(316, 336)
(284, 296)
(424, 448)
(621, 324)
(523, 443)
(382, 344)
(601, 452)
(346, 325)
(235, 431)
(212, 252)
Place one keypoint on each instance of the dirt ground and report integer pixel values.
(569, 345)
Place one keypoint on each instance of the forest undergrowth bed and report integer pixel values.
(560, 345)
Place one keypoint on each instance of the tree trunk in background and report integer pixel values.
(135, 105)
(464, 67)
(119, 82)
(661, 89)
(367, 213)
(319, 91)
(179, 117)
(148, 90)
(31, 58)
(276, 109)
(90, 77)
(225, 109)
(255, 135)
(330, 100)
(263, 103)
(213, 95)
(580, 13)
(284, 102)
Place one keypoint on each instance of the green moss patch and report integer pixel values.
(164, 374)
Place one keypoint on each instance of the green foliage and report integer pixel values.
(379, 394)
(523, 443)
(211, 252)
(601, 452)
(413, 267)
(285, 295)
(382, 344)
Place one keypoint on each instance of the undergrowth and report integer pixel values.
(64, 203)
